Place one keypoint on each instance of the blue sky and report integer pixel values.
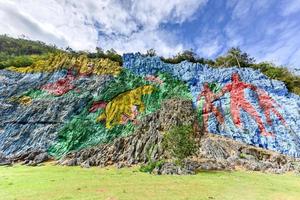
(266, 29)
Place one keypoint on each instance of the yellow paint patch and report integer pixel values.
(82, 63)
(122, 105)
(25, 100)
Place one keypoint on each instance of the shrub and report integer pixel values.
(18, 46)
(110, 54)
(243, 156)
(151, 165)
(291, 81)
(17, 61)
(179, 141)
(187, 55)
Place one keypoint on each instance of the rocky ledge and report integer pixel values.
(213, 152)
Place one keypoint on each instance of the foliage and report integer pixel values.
(110, 54)
(16, 47)
(151, 165)
(242, 155)
(179, 141)
(26, 53)
(151, 53)
(56, 61)
(17, 61)
(235, 57)
(22, 61)
(21, 52)
(291, 81)
(187, 55)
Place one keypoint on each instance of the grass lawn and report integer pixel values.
(57, 182)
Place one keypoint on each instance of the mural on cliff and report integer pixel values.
(240, 103)
(80, 102)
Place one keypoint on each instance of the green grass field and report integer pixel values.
(57, 182)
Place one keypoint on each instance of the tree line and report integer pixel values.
(22, 52)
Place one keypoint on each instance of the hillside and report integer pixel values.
(95, 109)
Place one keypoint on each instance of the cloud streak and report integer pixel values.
(123, 25)
(268, 30)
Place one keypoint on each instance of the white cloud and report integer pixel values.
(48, 21)
(125, 25)
(290, 7)
(208, 46)
(242, 9)
(163, 42)
(153, 12)
(283, 48)
(263, 35)
(210, 49)
(14, 20)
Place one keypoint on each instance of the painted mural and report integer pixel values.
(79, 103)
(125, 107)
(239, 103)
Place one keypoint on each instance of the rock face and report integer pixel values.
(32, 125)
(214, 152)
(31, 158)
(97, 114)
(4, 161)
(143, 145)
(218, 152)
(239, 103)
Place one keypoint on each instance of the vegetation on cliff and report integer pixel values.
(25, 54)
(235, 57)
(180, 142)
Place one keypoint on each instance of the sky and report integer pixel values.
(268, 30)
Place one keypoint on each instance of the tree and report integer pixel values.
(187, 55)
(151, 52)
(235, 57)
(235, 53)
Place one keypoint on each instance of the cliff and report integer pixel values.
(63, 105)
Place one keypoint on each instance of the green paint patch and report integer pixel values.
(57, 182)
(38, 94)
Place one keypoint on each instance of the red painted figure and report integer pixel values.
(268, 105)
(97, 105)
(61, 86)
(153, 79)
(238, 101)
(208, 106)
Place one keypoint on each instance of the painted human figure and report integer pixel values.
(61, 86)
(208, 106)
(238, 101)
(268, 106)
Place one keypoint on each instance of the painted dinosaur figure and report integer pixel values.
(123, 106)
(208, 106)
(268, 106)
(238, 101)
